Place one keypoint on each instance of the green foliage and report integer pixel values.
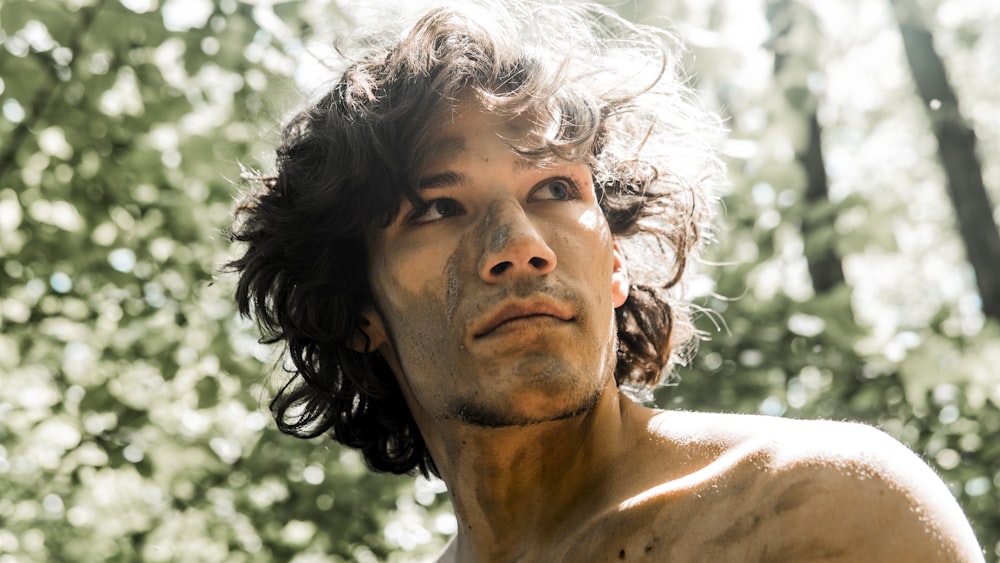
(132, 417)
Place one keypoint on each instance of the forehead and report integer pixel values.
(470, 124)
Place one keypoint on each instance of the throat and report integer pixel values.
(531, 481)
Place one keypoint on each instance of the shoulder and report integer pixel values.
(872, 492)
(846, 491)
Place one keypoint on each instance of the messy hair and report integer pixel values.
(600, 90)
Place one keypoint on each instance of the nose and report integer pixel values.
(512, 245)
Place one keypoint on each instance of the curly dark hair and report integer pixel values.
(599, 89)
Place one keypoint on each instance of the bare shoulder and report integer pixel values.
(770, 489)
(876, 497)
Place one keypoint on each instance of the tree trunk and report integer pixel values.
(957, 151)
(825, 266)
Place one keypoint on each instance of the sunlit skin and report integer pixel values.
(494, 307)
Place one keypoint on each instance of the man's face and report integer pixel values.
(494, 302)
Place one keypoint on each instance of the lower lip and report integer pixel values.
(521, 325)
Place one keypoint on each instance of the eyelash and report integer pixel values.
(572, 190)
(419, 212)
(415, 216)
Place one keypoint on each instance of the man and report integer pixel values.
(443, 251)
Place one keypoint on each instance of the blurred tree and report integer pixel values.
(818, 221)
(957, 152)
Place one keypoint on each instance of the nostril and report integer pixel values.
(500, 268)
(539, 263)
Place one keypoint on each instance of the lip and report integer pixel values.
(518, 310)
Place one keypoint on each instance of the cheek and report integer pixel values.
(418, 334)
(415, 293)
(592, 219)
(398, 275)
(429, 270)
(593, 256)
(590, 243)
(405, 296)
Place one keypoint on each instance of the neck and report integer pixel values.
(514, 488)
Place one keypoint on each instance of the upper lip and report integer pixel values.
(520, 309)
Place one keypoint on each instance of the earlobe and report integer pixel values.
(619, 278)
(369, 334)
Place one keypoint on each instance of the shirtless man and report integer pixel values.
(443, 251)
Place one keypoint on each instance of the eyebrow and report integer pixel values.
(446, 148)
(442, 180)
(523, 163)
(452, 146)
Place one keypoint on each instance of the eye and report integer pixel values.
(555, 189)
(435, 210)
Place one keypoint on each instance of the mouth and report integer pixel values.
(517, 314)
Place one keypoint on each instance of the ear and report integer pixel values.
(619, 278)
(369, 335)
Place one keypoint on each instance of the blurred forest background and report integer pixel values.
(855, 275)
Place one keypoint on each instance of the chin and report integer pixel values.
(530, 407)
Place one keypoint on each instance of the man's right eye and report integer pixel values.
(434, 210)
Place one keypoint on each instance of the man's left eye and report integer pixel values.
(556, 189)
(435, 210)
